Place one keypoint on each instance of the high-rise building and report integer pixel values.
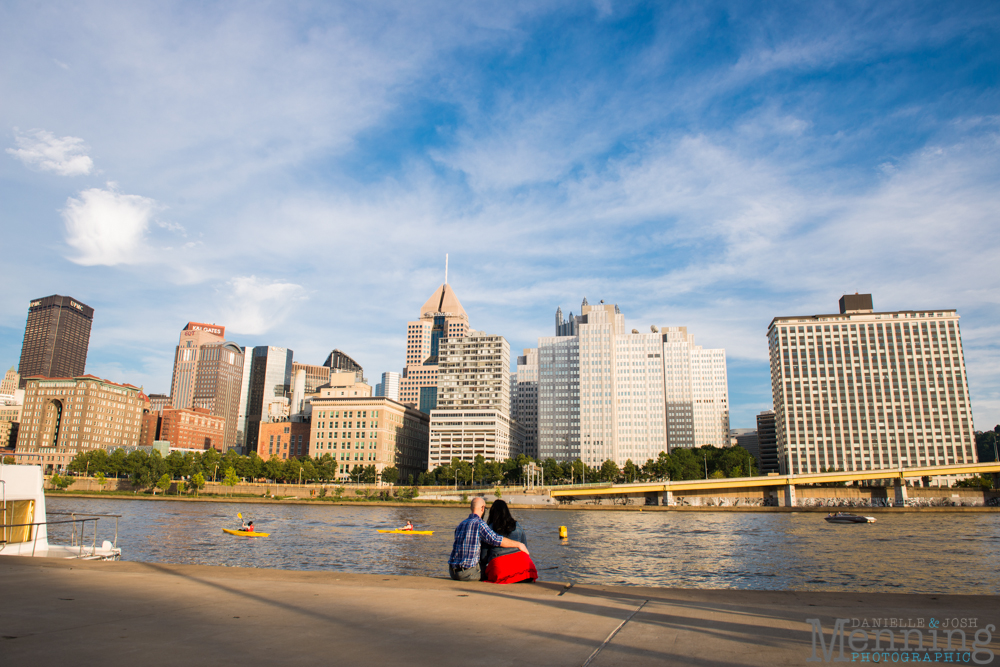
(524, 400)
(472, 416)
(441, 317)
(696, 391)
(767, 443)
(208, 374)
(339, 362)
(269, 390)
(315, 376)
(65, 416)
(606, 393)
(389, 386)
(867, 390)
(56, 338)
(10, 382)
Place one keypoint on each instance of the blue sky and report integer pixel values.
(297, 171)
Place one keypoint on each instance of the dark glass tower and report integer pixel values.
(56, 338)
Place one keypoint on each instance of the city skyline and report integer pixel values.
(709, 167)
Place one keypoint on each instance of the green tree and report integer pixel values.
(630, 471)
(390, 475)
(61, 483)
(164, 483)
(231, 479)
(609, 471)
(552, 471)
(369, 474)
(196, 482)
(356, 473)
(101, 480)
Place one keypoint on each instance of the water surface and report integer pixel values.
(909, 552)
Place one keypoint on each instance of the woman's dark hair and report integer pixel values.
(500, 519)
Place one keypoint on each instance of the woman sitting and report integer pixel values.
(505, 566)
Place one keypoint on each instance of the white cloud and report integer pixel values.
(108, 227)
(255, 306)
(42, 150)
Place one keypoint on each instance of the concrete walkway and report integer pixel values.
(138, 614)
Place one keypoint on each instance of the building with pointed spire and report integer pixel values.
(441, 318)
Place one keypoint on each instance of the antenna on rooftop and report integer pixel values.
(446, 268)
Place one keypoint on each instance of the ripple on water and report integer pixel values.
(908, 552)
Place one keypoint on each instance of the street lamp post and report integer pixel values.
(215, 471)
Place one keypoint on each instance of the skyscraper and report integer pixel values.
(524, 400)
(864, 389)
(269, 390)
(208, 374)
(606, 393)
(389, 386)
(441, 317)
(339, 362)
(56, 338)
(472, 416)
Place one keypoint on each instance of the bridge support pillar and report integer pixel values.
(667, 498)
(789, 496)
(901, 495)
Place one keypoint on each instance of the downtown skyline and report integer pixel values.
(298, 175)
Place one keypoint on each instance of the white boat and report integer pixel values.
(24, 523)
(845, 517)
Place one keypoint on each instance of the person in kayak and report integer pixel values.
(463, 564)
(408, 526)
(248, 527)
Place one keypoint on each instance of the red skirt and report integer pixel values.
(511, 569)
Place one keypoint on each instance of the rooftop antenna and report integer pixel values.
(446, 268)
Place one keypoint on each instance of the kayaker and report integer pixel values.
(248, 527)
(463, 564)
(409, 525)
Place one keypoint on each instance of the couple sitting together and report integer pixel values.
(490, 551)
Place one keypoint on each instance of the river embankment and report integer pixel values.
(126, 613)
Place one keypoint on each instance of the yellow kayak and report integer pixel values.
(244, 533)
(409, 532)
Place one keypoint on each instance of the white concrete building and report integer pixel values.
(472, 416)
(607, 393)
(866, 390)
(389, 386)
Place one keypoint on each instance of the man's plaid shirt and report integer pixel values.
(468, 537)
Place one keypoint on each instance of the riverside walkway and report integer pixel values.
(125, 613)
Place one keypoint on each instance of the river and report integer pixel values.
(909, 552)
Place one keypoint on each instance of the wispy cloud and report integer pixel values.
(42, 150)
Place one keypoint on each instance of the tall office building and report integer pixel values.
(56, 338)
(472, 416)
(524, 400)
(208, 374)
(606, 393)
(339, 362)
(10, 382)
(269, 389)
(867, 390)
(389, 386)
(441, 317)
(767, 443)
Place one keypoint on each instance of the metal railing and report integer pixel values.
(75, 540)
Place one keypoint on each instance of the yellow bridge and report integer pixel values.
(787, 482)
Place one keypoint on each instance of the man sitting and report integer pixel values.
(463, 565)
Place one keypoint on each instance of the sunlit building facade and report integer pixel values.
(869, 390)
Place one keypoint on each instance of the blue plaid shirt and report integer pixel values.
(468, 537)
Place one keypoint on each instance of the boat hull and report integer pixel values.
(244, 533)
(409, 532)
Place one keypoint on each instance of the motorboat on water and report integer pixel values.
(24, 524)
(845, 517)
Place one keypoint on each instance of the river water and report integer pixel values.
(909, 552)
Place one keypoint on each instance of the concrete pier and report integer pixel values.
(72, 612)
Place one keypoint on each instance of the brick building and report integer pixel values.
(194, 428)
